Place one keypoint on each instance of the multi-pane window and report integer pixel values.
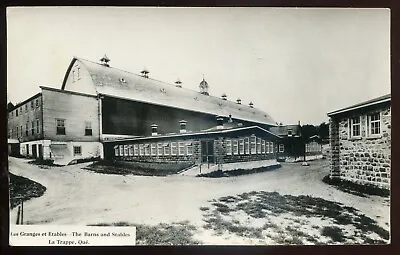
(37, 126)
(160, 149)
(253, 144)
(374, 121)
(167, 149)
(37, 102)
(60, 126)
(281, 148)
(355, 127)
(263, 146)
(258, 145)
(33, 128)
(88, 128)
(121, 150)
(235, 147)
(21, 130)
(116, 150)
(271, 150)
(228, 146)
(77, 150)
(147, 149)
(130, 150)
(17, 132)
(32, 104)
(141, 149)
(307, 147)
(174, 148)
(189, 148)
(135, 150)
(181, 148)
(153, 149)
(246, 145)
(26, 129)
(241, 146)
(20, 110)
(266, 147)
(26, 107)
(126, 150)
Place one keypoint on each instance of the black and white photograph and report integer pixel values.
(198, 126)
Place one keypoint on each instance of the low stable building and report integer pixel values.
(223, 144)
(291, 146)
(360, 140)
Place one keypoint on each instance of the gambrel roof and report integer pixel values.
(121, 84)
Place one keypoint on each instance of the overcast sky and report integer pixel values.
(295, 64)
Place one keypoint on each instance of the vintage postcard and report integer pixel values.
(198, 126)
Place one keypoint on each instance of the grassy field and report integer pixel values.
(23, 189)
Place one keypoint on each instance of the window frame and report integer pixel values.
(37, 126)
(121, 150)
(181, 148)
(88, 128)
(241, 147)
(174, 148)
(116, 150)
(189, 145)
(61, 127)
(235, 147)
(126, 150)
(167, 149)
(247, 145)
(262, 146)
(80, 150)
(253, 143)
(130, 149)
(136, 150)
(141, 149)
(153, 149)
(281, 148)
(370, 122)
(258, 145)
(147, 149)
(352, 125)
(228, 147)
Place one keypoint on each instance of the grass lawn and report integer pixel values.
(25, 188)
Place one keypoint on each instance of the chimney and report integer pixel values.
(251, 104)
(223, 96)
(154, 129)
(220, 122)
(239, 101)
(182, 125)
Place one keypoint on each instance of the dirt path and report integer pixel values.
(76, 196)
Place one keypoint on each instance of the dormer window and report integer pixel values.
(289, 132)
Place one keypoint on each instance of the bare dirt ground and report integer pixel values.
(75, 196)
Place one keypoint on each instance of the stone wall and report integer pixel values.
(365, 159)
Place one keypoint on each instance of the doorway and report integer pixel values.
(207, 151)
(40, 151)
(34, 151)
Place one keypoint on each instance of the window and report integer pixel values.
(32, 104)
(135, 149)
(33, 128)
(374, 124)
(121, 150)
(21, 130)
(60, 126)
(126, 150)
(79, 73)
(37, 102)
(116, 150)
(189, 148)
(17, 132)
(26, 129)
(307, 147)
(263, 146)
(174, 148)
(253, 145)
(77, 150)
(355, 125)
(88, 128)
(141, 149)
(16, 113)
(289, 132)
(181, 148)
(281, 148)
(73, 76)
(147, 149)
(26, 107)
(153, 149)
(241, 146)
(258, 145)
(166, 149)
(235, 147)
(246, 145)
(37, 126)
(20, 110)
(228, 147)
(160, 149)
(271, 147)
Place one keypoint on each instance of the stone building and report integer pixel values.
(360, 140)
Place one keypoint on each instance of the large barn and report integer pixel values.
(114, 104)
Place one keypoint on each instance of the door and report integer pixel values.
(34, 151)
(40, 151)
(207, 151)
(27, 149)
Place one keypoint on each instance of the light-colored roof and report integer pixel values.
(108, 81)
(10, 141)
(381, 99)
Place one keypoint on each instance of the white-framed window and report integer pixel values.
(181, 148)
(160, 149)
(121, 150)
(307, 147)
(167, 149)
(281, 147)
(33, 128)
(258, 145)
(126, 150)
(271, 147)
(235, 147)
(189, 148)
(246, 145)
(37, 102)
(241, 146)
(130, 150)
(374, 124)
(77, 150)
(136, 149)
(174, 148)
(141, 149)
(355, 127)
(153, 149)
(88, 128)
(228, 147)
(266, 147)
(21, 130)
(147, 149)
(37, 126)
(253, 144)
(116, 150)
(60, 126)
(263, 146)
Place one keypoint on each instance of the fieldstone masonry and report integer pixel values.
(363, 160)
